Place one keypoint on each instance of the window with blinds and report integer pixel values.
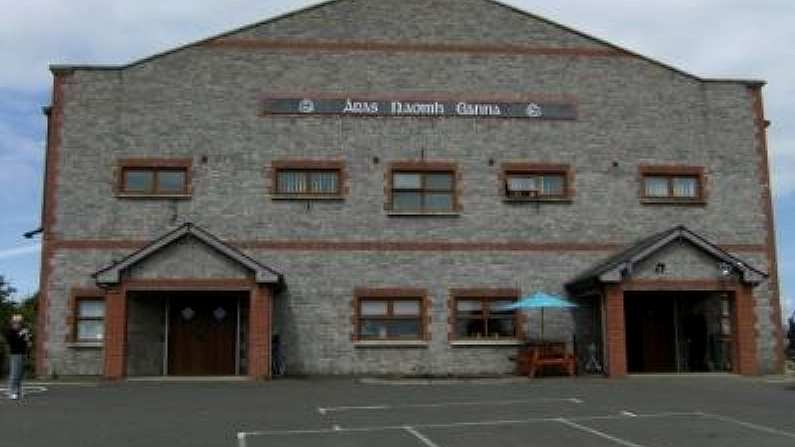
(308, 182)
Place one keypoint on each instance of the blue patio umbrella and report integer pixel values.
(541, 300)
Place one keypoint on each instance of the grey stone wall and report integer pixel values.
(187, 258)
(202, 103)
(145, 334)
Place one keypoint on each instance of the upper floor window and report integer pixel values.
(293, 181)
(423, 191)
(535, 185)
(536, 182)
(307, 179)
(148, 177)
(672, 184)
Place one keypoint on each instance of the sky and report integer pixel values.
(709, 38)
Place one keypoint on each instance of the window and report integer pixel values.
(390, 319)
(523, 181)
(293, 181)
(671, 187)
(667, 184)
(90, 320)
(424, 191)
(154, 177)
(307, 179)
(528, 186)
(485, 318)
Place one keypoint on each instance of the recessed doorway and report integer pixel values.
(676, 332)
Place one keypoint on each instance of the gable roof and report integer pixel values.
(262, 274)
(616, 267)
(56, 68)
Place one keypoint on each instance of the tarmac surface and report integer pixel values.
(653, 411)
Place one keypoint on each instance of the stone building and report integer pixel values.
(373, 181)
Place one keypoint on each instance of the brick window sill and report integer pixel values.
(390, 344)
(154, 196)
(332, 197)
(563, 200)
(423, 213)
(85, 345)
(481, 342)
(674, 202)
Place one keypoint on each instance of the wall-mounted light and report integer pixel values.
(724, 269)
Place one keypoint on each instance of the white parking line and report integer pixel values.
(421, 437)
(750, 425)
(598, 433)
(27, 389)
(338, 429)
(325, 410)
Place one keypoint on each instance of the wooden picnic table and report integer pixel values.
(535, 356)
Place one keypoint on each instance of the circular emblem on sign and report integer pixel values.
(534, 110)
(306, 106)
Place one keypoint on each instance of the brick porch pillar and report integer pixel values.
(745, 362)
(259, 333)
(616, 332)
(115, 334)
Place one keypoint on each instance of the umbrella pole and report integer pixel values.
(542, 325)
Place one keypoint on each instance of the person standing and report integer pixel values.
(18, 339)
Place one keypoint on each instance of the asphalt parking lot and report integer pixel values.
(702, 411)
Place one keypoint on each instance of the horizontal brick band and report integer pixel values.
(330, 245)
(409, 47)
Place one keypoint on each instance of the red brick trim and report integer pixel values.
(423, 166)
(766, 201)
(308, 164)
(75, 296)
(398, 293)
(226, 284)
(410, 47)
(152, 163)
(746, 362)
(115, 334)
(443, 246)
(520, 318)
(509, 168)
(616, 333)
(645, 170)
(677, 284)
(259, 333)
(49, 205)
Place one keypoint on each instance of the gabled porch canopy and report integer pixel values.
(620, 267)
(262, 274)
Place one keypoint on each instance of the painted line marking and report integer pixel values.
(424, 439)
(464, 424)
(750, 425)
(325, 410)
(27, 389)
(629, 413)
(598, 433)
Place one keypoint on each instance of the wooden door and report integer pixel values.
(202, 333)
(650, 335)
